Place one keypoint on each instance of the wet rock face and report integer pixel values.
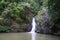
(25, 26)
(44, 25)
(44, 19)
(30, 27)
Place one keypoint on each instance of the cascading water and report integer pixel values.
(33, 29)
(33, 25)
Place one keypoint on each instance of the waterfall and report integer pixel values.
(33, 29)
(33, 25)
(33, 34)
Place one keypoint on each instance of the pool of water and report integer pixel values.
(27, 36)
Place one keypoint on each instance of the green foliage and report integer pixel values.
(36, 4)
(54, 13)
(10, 9)
(13, 10)
(4, 28)
(54, 7)
(19, 11)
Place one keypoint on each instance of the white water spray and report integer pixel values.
(33, 25)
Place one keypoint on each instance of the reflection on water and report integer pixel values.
(33, 36)
(26, 36)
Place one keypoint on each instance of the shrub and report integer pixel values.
(4, 28)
